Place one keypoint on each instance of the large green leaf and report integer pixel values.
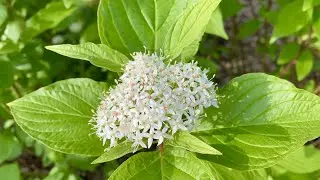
(302, 161)
(185, 140)
(294, 14)
(177, 163)
(58, 115)
(129, 25)
(304, 64)
(10, 171)
(98, 54)
(216, 26)
(224, 173)
(189, 27)
(46, 18)
(260, 120)
(173, 163)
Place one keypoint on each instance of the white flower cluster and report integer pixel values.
(152, 101)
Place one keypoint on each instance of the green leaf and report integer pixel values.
(13, 31)
(292, 13)
(189, 27)
(288, 53)
(90, 34)
(10, 171)
(58, 115)
(46, 18)
(3, 14)
(6, 74)
(224, 173)
(98, 54)
(116, 152)
(248, 28)
(260, 120)
(11, 148)
(307, 4)
(304, 64)
(185, 140)
(173, 163)
(302, 161)
(230, 8)
(216, 26)
(69, 3)
(7, 47)
(128, 26)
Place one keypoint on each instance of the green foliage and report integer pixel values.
(6, 74)
(260, 120)
(10, 147)
(260, 127)
(58, 115)
(294, 14)
(46, 18)
(173, 163)
(10, 171)
(187, 141)
(99, 55)
(304, 64)
(215, 25)
(248, 28)
(302, 161)
(288, 53)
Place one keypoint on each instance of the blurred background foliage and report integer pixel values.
(279, 37)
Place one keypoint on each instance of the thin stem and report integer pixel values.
(16, 90)
(161, 148)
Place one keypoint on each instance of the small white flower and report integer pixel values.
(152, 101)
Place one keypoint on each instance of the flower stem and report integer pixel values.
(161, 148)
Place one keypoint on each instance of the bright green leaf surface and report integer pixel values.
(10, 172)
(58, 115)
(46, 18)
(185, 140)
(128, 26)
(6, 74)
(189, 27)
(260, 120)
(288, 53)
(304, 64)
(216, 26)
(174, 163)
(302, 161)
(118, 151)
(98, 54)
(292, 13)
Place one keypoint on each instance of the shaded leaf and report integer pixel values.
(288, 53)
